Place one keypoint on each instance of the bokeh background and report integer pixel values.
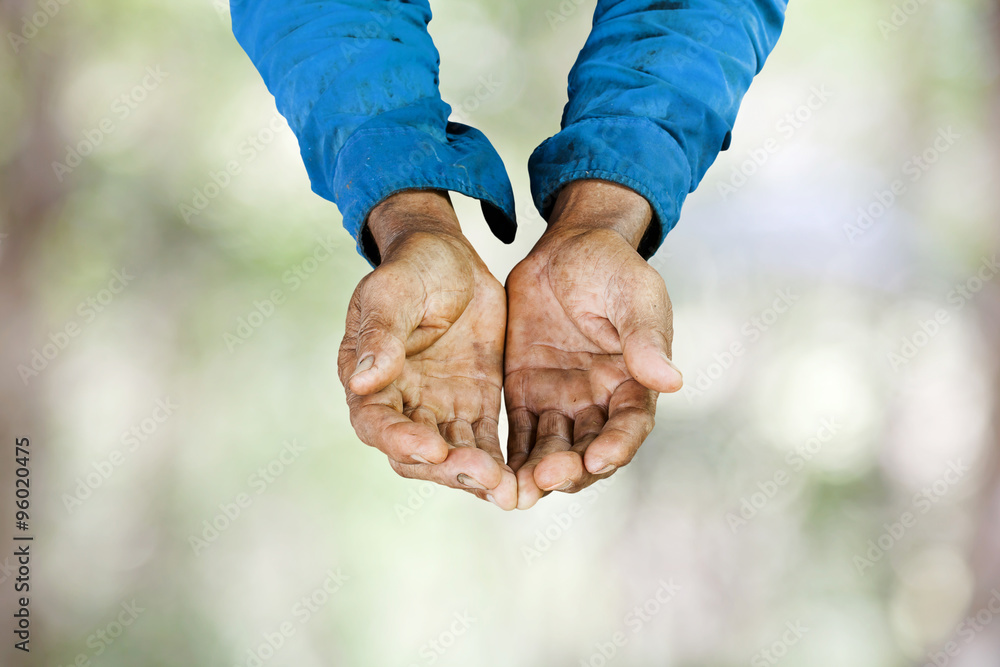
(828, 495)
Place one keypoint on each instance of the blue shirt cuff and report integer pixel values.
(634, 152)
(375, 163)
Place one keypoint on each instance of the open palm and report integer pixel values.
(421, 362)
(588, 346)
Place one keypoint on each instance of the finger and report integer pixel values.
(401, 439)
(347, 358)
(648, 360)
(458, 433)
(423, 415)
(504, 495)
(387, 310)
(630, 420)
(466, 468)
(486, 474)
(461, 471)
(380, 353)
(565, 471)
(555, 432)
(644, 319)
(522, 425)
(587, 425)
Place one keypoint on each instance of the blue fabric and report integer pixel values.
(652, 100)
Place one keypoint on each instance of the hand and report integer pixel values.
(588, 343)
(421, 359)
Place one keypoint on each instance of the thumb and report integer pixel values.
(380, 343)
(644, 319)
(647, 357)
(380, 361)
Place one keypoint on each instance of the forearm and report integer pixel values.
(357, 81)
(653, 98)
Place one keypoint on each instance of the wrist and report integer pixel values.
(601, 205)
(403, 214)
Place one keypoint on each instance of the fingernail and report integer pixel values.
(419, 459)
(364, 365)
(671, 364)
(489, 497)
(562, 487)
(465, 480)
(605, 469)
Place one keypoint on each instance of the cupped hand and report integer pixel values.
(588, 343)
(422, 356)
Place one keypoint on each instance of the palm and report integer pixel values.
(433, 405)
(558, 356)
(576, 410)
(459, 373)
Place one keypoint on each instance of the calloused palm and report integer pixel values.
(421, 362)
(588, 348)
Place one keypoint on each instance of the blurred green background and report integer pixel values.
(828, 495)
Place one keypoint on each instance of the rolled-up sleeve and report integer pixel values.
(653, 97)
(357, 81)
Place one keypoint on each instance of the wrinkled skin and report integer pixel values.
(585, 351)
(422, 356)
(588, 344)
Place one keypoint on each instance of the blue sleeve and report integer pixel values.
(653, 97)
(357, 81)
